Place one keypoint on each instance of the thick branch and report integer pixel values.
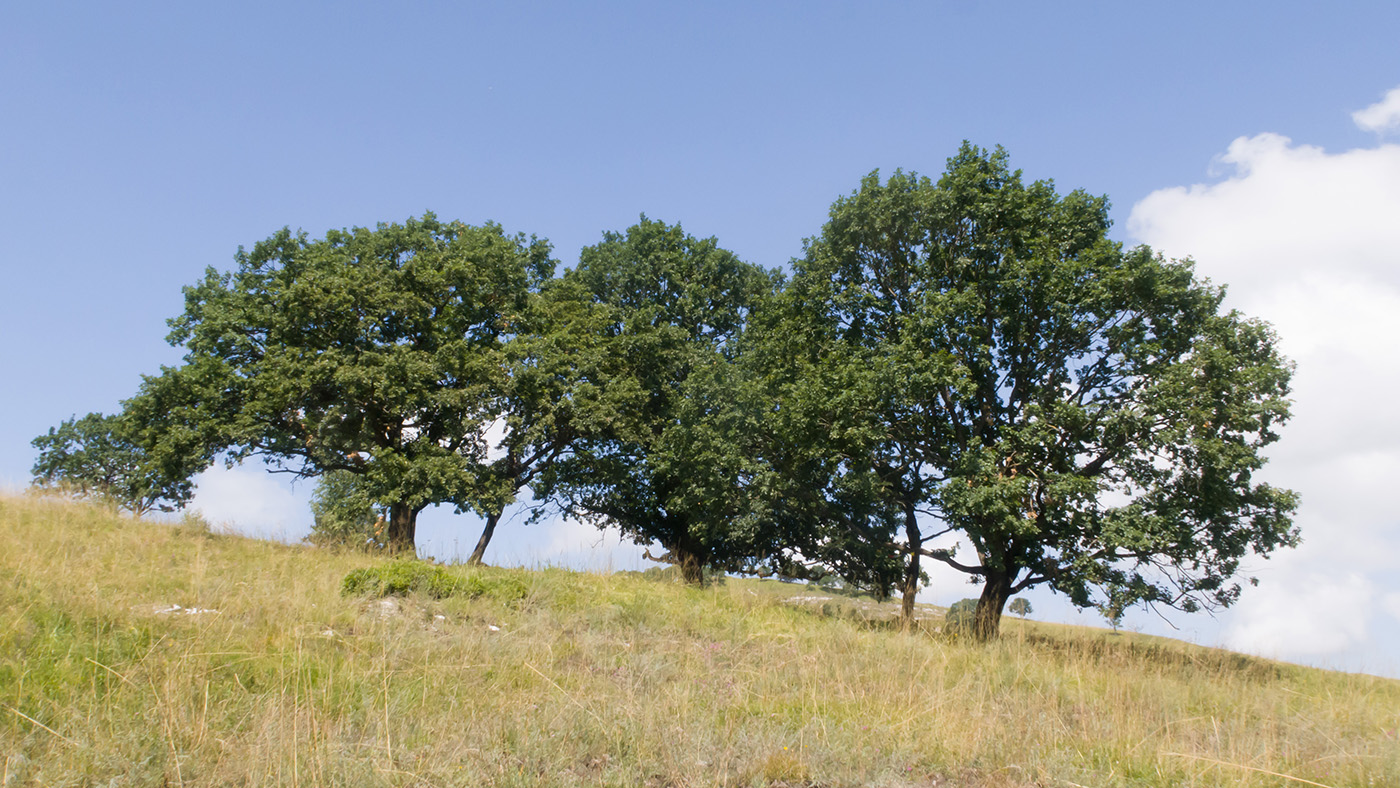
(947, 558)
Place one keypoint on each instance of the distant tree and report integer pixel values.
(375, 352)
(343, 516)
(1020, 607)
(1084, 416)
(668, 452)
(1116, 603)
(100, 456)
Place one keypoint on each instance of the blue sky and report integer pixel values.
(140, 143)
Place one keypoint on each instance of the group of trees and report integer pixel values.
(970, 356)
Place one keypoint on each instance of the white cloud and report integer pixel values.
(495, 436)
(1313, 615)
(585, 546)
(249, 500)
(1391, 605)
(1382, 116)
(1308, 240)
(1283, 210)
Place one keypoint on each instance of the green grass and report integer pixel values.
(407, 576)
(309, 675)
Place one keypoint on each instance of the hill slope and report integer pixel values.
(267, 675)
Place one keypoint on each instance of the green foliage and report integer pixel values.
(1020, 606)
(971, 357)
(669, 447)
(343, 515)
(100, 457)
(377, 352)
(560, 385)
(960, 619)
(983, 356)
(406, 576)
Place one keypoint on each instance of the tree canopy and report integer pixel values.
(101, 456)
(376, 352)
(667, 460)
(1083, 415)
(560, 387)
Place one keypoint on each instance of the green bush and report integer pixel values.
(409, 576)
(961, 617)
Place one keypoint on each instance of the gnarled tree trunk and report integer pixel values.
(691, 558)
(986, 623)
(403, 521)
(910, 584)
(692, 567)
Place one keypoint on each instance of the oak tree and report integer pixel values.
(101, 456)
(376, 352)
(664, 456)
(1085, 416)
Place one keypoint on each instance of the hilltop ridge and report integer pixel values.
(136, 653)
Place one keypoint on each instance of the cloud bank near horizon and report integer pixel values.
(1308, 240)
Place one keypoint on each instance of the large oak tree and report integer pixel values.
(666, 455)
(377, 352)
(1085, 416)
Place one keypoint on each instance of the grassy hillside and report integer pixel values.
(563, 678)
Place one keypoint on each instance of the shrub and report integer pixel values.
(960, 618)
(409, 576)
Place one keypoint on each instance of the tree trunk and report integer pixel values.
(910, 584)
(403, 520)
(480, 552)
(986, 624)
(685, 552)
(692, 567)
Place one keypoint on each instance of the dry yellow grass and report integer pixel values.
(600, 680)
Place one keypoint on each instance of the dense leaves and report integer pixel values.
(1085, 417)
(100, 456)
(560, 386)
(372, 352)
(669, 457)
